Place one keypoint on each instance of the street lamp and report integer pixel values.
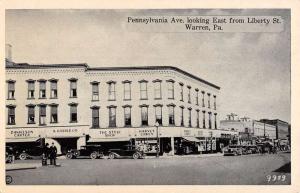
(157, 139)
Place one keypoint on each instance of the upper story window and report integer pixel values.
(95, 91)
(171, 109)
(31, 114)
(197, 96)
(53, 113)
(190, 117)
(111, 90)
(208, 100)
(189, 94)
(216, 126)
(112, 116)
(95, 117)
(143, 89)
(127, 90)
(158, 113)
(11, 89)
(42, 118)
(53, 88)
(73, 87)
(170, 89)
(127, 115)
(31, 88)
(157, 89)
(203, 120)
(42, 94)
(144, 115)
(73, 113)
(181, 91)
(215, 102)
(181, 115)
(197, 119)
(11, 119)
(209, 120)
(203, 103)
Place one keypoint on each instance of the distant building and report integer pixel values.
(282, 127)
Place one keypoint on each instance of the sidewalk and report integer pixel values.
(22, 166)
(186, 156)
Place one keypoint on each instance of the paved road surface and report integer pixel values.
(246, 169)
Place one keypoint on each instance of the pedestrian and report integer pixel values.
(45, 154)
(52, 154)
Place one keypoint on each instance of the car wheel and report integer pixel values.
(69, 155)
(23, 156)
(94, 155)
(101, 155)
(136, 156)
(111, 155)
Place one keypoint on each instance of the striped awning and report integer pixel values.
(20, 140)
(192, 139)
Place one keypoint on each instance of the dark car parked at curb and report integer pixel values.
(125, 151)
(233, 150)
(92, 151)
(24, 153)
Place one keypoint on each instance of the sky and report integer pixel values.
(252, 69)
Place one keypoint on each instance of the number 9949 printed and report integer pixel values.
(275, 178)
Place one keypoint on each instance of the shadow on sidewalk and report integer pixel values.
(286, 168)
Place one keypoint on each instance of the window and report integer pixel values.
(53, 113)
(171, 109)
(158, 114)
(197, 119)
(190, 117)
(203, 104)
(31, 114)
(157, 89)
(197, 96)
(170, 89)
(143, 90)
(215, 102)
(53, 89)
(112, 116)
(42, 89)
(11, 115)
(73, 88)
(111, 91)
(42, 115)
(216, 126)
(11, 89)
(144, 114)
(95, 117)
(203, 119)
(189, 94)
(73, 112)
(95, 91)
(127, 116)
(181, 91)
(209, 120)
(30, 89)
(127, 90)
(181, 116)
(208, 100)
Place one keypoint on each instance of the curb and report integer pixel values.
(12, 167)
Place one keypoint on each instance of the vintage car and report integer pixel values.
(92, 151)
(24, 153)
(233, 150)
(252, 149)
(125, 151)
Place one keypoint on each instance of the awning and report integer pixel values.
(192, 139)
(19, 140)
(108, 139)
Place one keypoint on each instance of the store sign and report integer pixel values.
(64, 132)
(108, 133)
(22, 133)
(187, 132)
(145, 132)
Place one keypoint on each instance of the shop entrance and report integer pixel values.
(66, 144)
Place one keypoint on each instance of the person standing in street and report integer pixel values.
(52, 154)
(45, 154)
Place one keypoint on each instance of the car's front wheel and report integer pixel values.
(111, 155)
(136, 156)
(69, 155)
(23, 156)
(94, 155)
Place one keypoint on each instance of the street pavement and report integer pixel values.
(211, 170)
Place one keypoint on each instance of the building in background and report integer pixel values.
(74, 104)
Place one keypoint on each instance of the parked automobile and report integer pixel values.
(9, 154)
(24, 153)
(92, 151)
(233, 150)
(252, 149)
(125, 151)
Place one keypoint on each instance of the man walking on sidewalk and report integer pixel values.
(53, 152)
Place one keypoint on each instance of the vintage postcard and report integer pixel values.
(146, 97)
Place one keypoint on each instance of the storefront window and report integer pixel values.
(31, 114)
(144, 114)
(112, 116)
(127, 116)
